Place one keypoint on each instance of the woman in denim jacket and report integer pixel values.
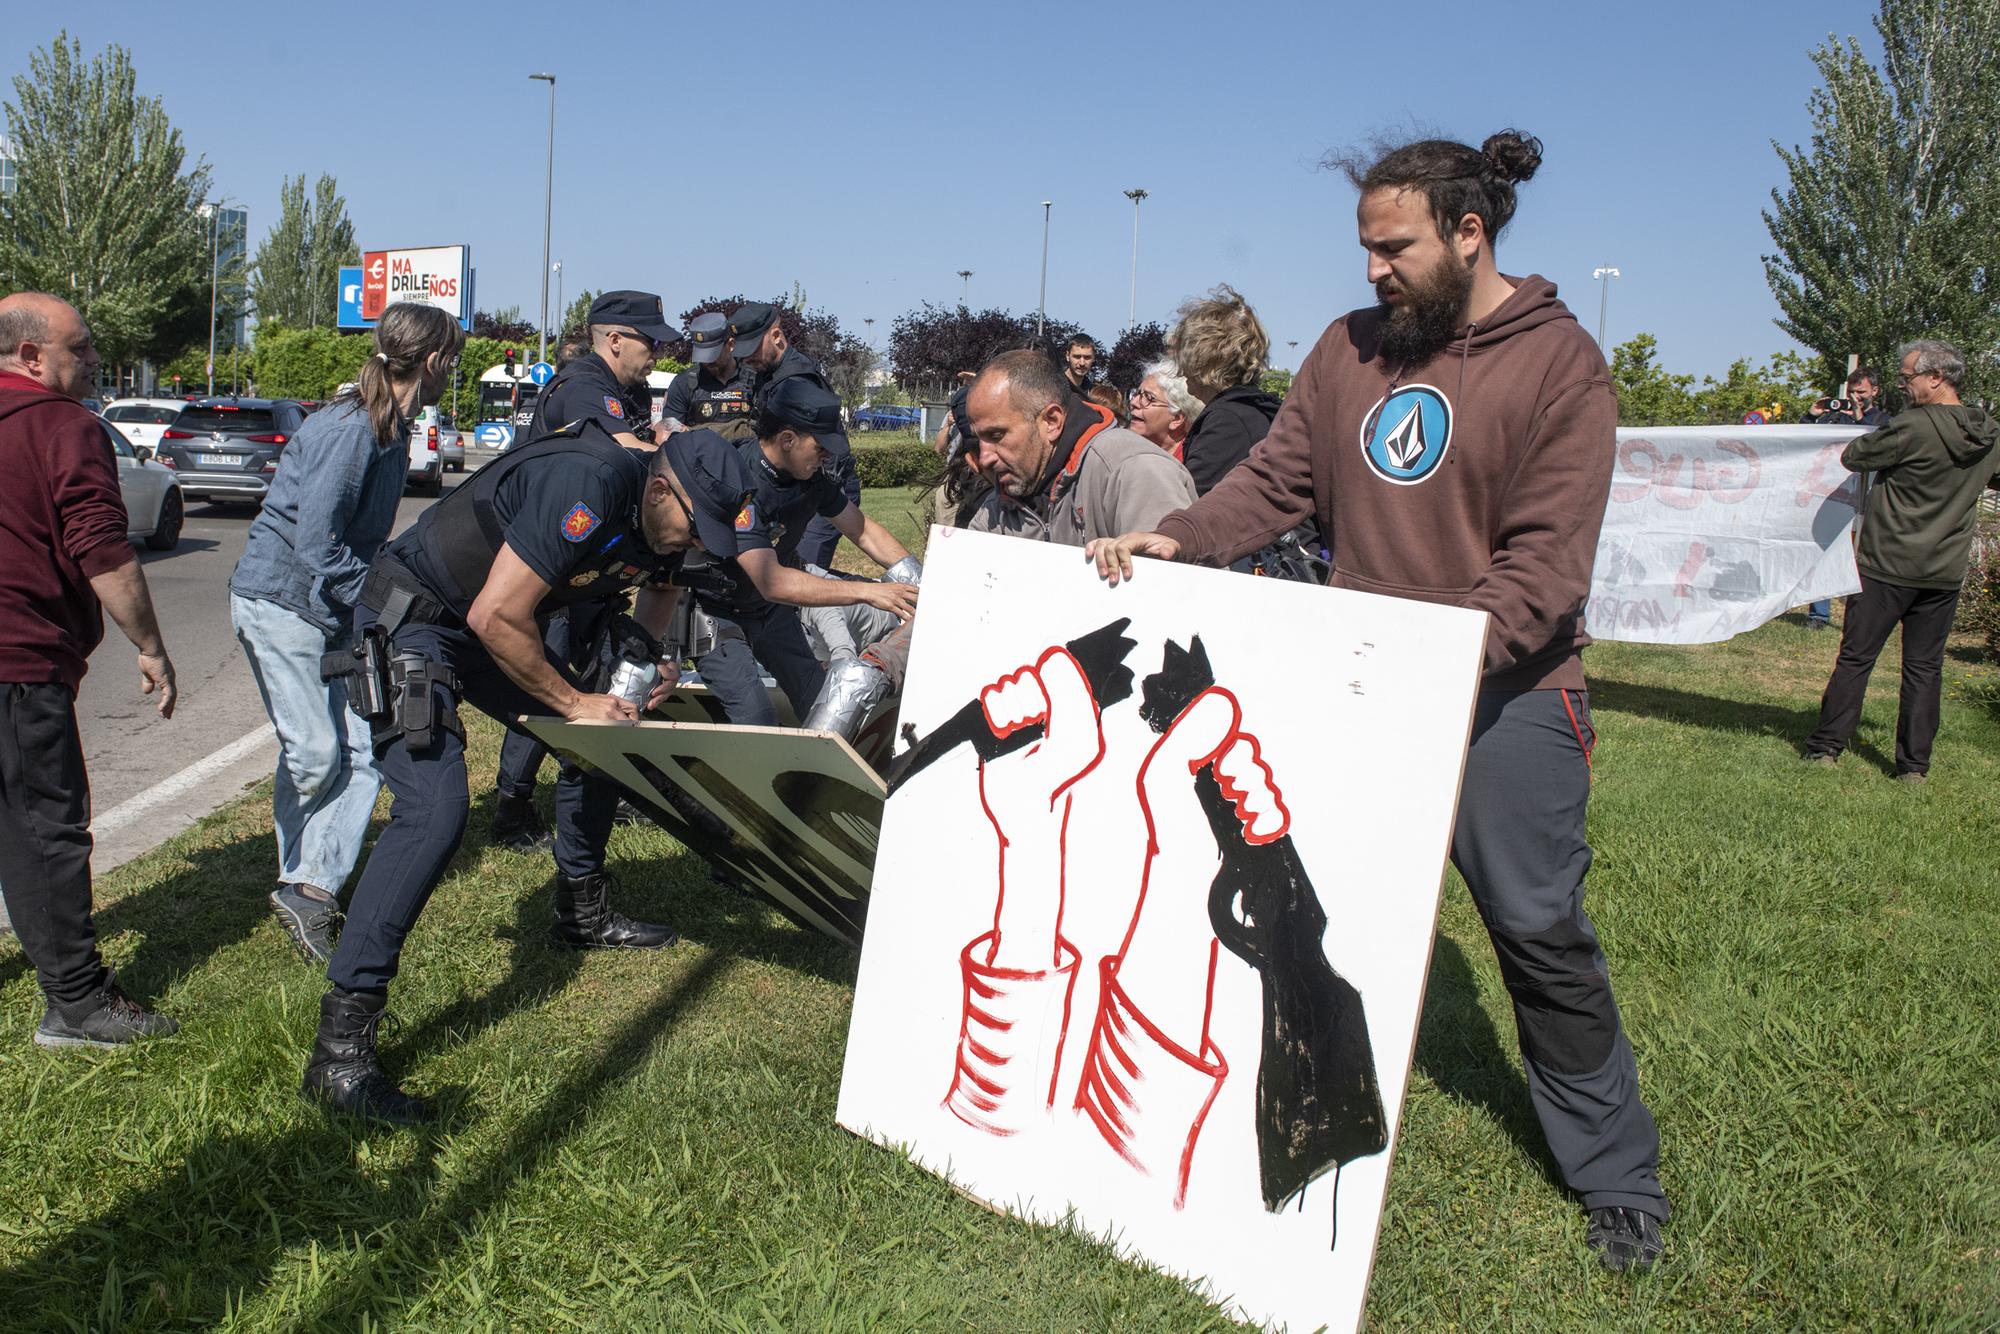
(292, 600)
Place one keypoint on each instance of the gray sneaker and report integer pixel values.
(108, 1019)
(311, 921)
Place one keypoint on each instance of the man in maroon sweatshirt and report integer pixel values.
(63, 556)
(1455, 443)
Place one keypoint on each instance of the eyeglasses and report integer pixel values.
(653, 345)
(675, 492)
(1146, 398)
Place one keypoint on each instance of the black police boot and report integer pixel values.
(516, 825)
(343, 1075)
(584, 919)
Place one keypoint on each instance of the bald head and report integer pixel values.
(43, 338)
(1017, 409)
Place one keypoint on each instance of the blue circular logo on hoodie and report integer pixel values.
(1404, 436)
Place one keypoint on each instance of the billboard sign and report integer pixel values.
(438, 276)
(350, 300)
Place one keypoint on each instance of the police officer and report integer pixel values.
(753, 597)
(627, 333)
(607, 384)
(715, 391)
(757, 337)
(569, 520)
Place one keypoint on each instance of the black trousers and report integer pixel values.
(45, 839)
(1925, 615)
(1520, 845)
(427, 816)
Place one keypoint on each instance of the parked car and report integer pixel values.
(152, 493)
(144, 420)
(426, 475)
(886, 419)
(228, 448)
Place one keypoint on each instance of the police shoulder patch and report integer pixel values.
(613, 406)
(579, 523)
(746, 518)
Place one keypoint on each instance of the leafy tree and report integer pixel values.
(577, 318)
(1650, 395)
(505, 326)
(1889, 227)
(297, 268)
(930, 345)
(308, 363)
(104, 210)
(847, 370)
(1135, 348)
(1276, 381)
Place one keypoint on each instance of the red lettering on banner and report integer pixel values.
(1640, 458)
(1684, 581)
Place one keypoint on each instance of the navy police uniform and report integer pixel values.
(569, 507)
(750, 629)
(582, 390)
(747, 327)
(701, 397)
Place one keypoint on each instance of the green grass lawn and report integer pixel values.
(1804, 959)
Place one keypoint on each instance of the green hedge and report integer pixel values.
(901, 461)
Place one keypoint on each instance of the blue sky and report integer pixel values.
(869, 152)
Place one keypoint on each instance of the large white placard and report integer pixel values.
(1711, 531)
(1148, 932)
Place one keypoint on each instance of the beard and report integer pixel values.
(1423, 324)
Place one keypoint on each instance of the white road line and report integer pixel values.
(182, 783)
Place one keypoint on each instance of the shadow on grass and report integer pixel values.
(1718, 714)
(195, 1247)
(1460, 1050)
(213, 899)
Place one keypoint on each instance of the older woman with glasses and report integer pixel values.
(1163, 409)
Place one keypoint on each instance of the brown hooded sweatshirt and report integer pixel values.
(1476, 479)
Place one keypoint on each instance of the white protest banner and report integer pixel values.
(1150, 921)
(1710, 531)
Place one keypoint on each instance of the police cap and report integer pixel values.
(747, 326)
(637, 310)
(709, 334)
(804, 406)
(714, 477)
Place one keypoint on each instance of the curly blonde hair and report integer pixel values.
(1219, 341)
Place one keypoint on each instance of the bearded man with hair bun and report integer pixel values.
(1454, 442)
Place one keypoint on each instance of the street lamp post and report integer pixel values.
(560, 312)
(214, 260)
(965, 292)
(1603, 276)
(1042, 303)
(1132, 315)
(548, 212)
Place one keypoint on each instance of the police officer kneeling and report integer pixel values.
(452, 608)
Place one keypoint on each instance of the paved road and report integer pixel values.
(130, 750)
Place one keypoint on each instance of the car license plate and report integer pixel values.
(218, 460)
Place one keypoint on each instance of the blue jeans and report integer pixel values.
(1821, 612)
(326, 781)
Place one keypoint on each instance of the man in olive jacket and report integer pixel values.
(1931, 462)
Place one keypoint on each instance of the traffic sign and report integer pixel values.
(541, 372)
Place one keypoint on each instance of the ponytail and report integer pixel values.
(408, 335)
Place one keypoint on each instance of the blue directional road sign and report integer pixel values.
(493, 435)
(541, 372)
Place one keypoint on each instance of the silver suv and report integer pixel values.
(227, 448)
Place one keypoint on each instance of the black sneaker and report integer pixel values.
(311, 921)
(1624, 1239)
(108, 1019)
